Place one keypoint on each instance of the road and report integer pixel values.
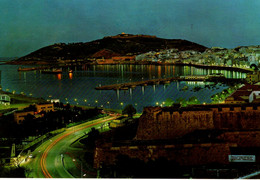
(48, 160)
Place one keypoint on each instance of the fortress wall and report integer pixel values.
(242, 139)
(166, 123)
(185, 154)
(157, 123)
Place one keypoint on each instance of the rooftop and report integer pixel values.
(249, 87)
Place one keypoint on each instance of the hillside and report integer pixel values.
(122, 44)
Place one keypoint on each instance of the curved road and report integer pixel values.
(47, 160)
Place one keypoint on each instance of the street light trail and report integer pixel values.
(45, 153)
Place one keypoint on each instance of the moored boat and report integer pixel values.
(54, 71)
(26, 69)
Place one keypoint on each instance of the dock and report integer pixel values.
(126, 86)
(31, 69)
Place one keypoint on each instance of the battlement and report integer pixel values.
(172, 122)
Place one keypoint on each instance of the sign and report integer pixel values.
(241, 158)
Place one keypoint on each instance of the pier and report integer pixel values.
(31, 69)
(126, 86)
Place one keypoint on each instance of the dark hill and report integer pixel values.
(122, 44)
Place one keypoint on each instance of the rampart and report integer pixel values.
(184, 154)
(169, 122)
(238, 124)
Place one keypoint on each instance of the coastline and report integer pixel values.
(48, 65)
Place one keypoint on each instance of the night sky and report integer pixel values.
(27, 25)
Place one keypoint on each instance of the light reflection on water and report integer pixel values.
(78, 87)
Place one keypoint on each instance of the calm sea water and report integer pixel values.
(79, 87)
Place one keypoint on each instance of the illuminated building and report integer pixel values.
(5, 99)
(44, 107)
(245, 94)
(19, 116)
(254, 77)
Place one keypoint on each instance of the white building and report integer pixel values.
(5, 99)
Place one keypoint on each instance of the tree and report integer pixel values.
(182, 101)
(129, 110)
(169, 102)
(193, 100)
(68, 107)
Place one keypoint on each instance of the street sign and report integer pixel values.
(241, 158)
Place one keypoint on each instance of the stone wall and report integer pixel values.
(158, 124)
(237, 118)
(242, 139)
(185, 154)
(240, 122)
(167, 123)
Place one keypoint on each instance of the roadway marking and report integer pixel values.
(45, 154)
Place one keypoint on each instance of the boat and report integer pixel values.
(166, 82)
(26, 69)
(54, 71)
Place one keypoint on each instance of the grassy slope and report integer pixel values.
(20, 101)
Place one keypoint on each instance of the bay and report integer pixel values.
(78, 88)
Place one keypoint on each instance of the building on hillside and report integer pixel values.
(123, 58)
(19, 116)
(105, 61)
(238, 97)
(253, 78)
(53, 100)
(246, 94)
(44, 107)
(5, 99)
